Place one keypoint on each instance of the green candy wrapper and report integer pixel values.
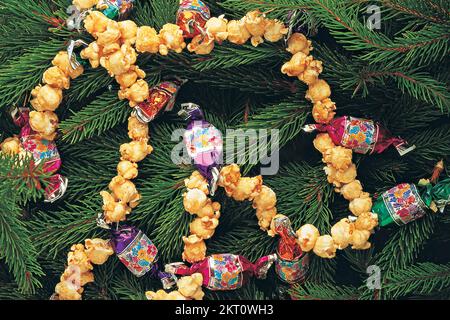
(439, 194)
(407, 202)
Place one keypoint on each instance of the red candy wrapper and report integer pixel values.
(361, 135)
(288, 249)
(225, 271)
(192, 17)
(162, 98)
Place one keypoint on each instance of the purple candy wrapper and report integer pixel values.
(204, 144)
(139, 254)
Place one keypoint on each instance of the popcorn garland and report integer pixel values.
(115, 48)
(38, 127)
(117, 204)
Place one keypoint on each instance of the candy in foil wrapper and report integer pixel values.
(161, 98)
(112, 9)
(44, 152)
(192, 17)
(225, 271)
(361, 135)
(204, 144)
(116, 9)
(400, 204)
(135, 250)
(288, 248)
(439, 194)
(292, 271)
(139, 254)
(407, 202)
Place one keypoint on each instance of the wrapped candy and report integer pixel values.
(292, 271)
(288, 247)
(43, 151)
(292, 264)
(204, 144)
(138, 253)
(192, 17)
(115, 9)
(361, 135)
(161, 98)
(224, 271)
(407, 202)
(112, 9)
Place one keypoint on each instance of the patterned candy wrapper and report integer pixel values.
(407, 202)
(361, 135)
(204, 144)
(139, 254)
(225, 271)
(161, 98)
(192, 17)
(44, 152)
(292, 271)
(112, 9)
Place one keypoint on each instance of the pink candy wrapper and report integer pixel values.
(225, 271)
(361, 135)
(43, 151)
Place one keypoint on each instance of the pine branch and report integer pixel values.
(162, 12)
(311, 291)
(276, 9)
(430, 147)
(229, 56)
(419, 279)
(423, 46)
(321, 270)
(58, 230)
(304, 195)
(18, 186)
(90, 83)
(105, 112)
(23, 73)
(436, 11)
(405, 244)
(261, 81)
(127, 286)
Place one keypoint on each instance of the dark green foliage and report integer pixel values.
(397, 75)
